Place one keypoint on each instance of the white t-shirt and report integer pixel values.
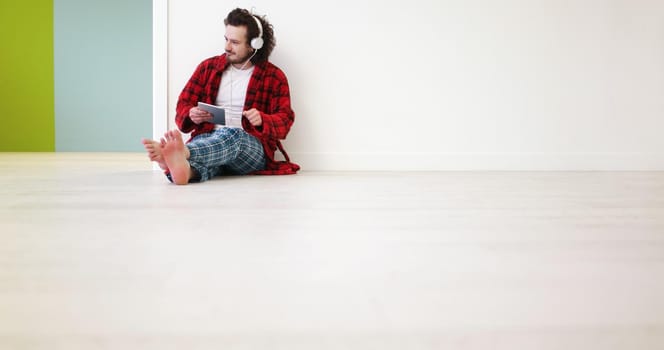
(232, 93)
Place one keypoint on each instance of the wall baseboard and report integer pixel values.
(479, 161)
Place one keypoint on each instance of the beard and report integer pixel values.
(235, 58)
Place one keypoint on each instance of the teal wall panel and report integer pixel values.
(103, 74)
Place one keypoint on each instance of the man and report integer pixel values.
(256, 98)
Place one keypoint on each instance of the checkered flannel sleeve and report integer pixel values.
(272, 98)
(193, 92)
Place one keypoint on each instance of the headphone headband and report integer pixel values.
(257, 42)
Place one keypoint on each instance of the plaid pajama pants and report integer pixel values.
(225, 151)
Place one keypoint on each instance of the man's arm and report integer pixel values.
(192, 92)
(277, 119)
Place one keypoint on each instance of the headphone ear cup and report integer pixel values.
(256, 43)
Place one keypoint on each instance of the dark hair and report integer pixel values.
(241, 17)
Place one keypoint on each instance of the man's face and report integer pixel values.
(237, 49)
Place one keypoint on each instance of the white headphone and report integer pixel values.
(257, 42)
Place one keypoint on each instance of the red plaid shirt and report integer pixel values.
(268, 92)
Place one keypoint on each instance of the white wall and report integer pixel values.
(456, 84)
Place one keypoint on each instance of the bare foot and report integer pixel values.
(175, 155)
(154, 151)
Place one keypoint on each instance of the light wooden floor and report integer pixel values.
(97, 251)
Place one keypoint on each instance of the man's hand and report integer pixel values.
(254, 117)
(199, 116)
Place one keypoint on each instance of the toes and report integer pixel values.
(170, 136)
(177, 136)
(146, 141)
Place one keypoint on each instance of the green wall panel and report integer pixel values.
(103, 74)
(26, 76)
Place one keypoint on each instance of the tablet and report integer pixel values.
(218, 113)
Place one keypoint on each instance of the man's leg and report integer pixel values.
(250, 157)
(228, 148)
(203, 157)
